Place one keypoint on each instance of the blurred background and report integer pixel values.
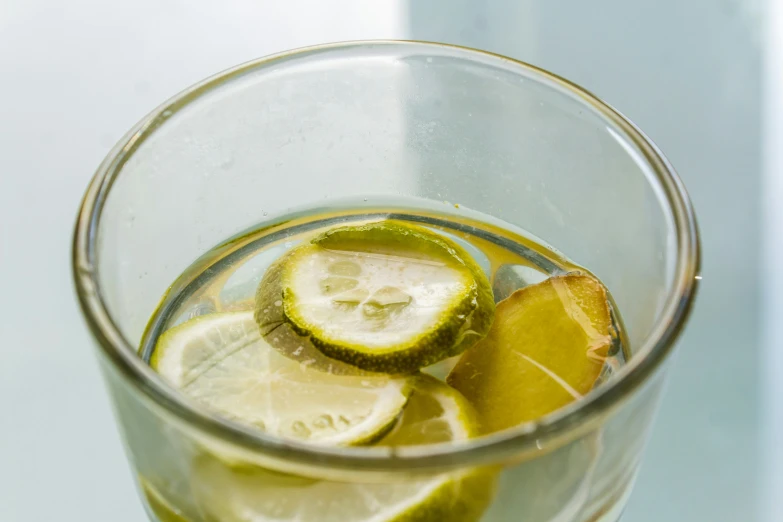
(702, 78)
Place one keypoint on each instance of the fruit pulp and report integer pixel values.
(226, 280)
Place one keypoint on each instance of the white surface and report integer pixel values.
(74, 76)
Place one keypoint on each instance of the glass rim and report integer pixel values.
(565, 423)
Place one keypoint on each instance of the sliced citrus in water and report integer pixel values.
(435, 413)
(385, 296)
(546, 348)
(222, 361)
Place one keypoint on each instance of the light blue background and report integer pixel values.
(75, 75)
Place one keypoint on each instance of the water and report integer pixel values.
(226, 278)
(554, 488)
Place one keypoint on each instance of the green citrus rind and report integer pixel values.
(462, 323)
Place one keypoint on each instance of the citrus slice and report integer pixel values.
(546, 348)
(222, 361)
(385, 296)
(435, 413)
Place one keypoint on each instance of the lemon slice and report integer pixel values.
(222, 361)
(385, 297)
(546, 348)
(435, 413)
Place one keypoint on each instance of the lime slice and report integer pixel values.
(546, 348)
(435, 413)
(222, 361)
(385, 296)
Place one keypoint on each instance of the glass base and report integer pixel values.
(613, 513)
(610, 510)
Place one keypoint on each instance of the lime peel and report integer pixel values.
(385, 297)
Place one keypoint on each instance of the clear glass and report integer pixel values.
(380, 120)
